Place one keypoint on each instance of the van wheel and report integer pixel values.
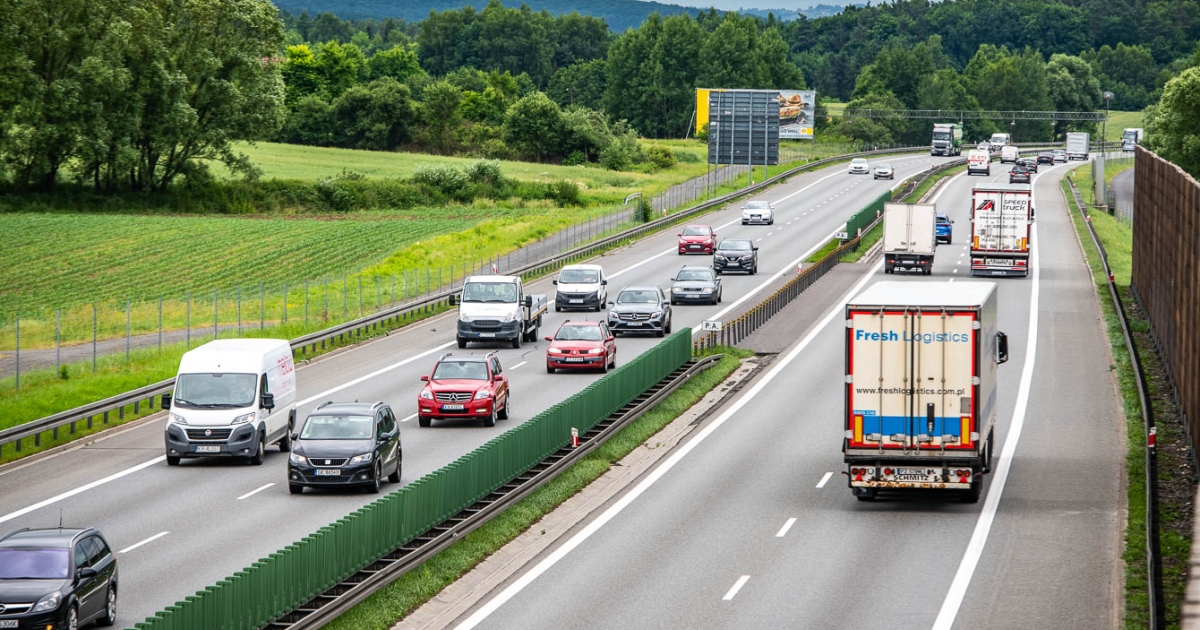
(462, 343)
(516, 342)
(295, 488)
(285, 443)
(172, 460)
(260, 455)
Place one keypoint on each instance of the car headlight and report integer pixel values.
(676, 290)
(298, 460)
(49, 602)
(656, 314)
(553, 350)
(361, 459)
(243, 419)
(706, 290)
(426, 394)
(177, 419)
(509, 317)
(482, 394)
(719, 257)
(596, 351)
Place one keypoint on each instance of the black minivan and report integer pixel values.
(346, 445)
(57, 578)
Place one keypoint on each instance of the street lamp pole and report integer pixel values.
(1104, 126)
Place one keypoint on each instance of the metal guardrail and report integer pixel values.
(1153, 547)
(102, 410)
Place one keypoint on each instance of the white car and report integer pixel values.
(758, 212)
(884, 171)
(859, 166)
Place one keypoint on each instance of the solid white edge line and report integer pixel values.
(518, 365)
(255, 491)
(372, 375)
(561, 552)
(786, 526)
(81, 489)
(966, 568)
(737, 586)
(148, 540)
(407, 418)
(824, 480)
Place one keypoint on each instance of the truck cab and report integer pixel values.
(998, 141)
(496, 308)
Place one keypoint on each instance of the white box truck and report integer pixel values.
(496, 308)
(232, 398)
(920, 405)
(1009, 154)
(909, 236)
(1000, 235)
(999, 141)
(1078, 145)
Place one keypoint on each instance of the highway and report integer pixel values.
(750, 524)
(179, 529)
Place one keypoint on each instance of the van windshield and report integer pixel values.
(338, 428)
(215, 391)
(490, 292)
(999, 138)
(579, 276)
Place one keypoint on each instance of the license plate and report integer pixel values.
(635, 323)
(487, 334)
(1000, 262)
(453, 407)
(575, 360)
(693, 247)
(8, 623)
(734, 264)
(328, 472)
(200, 449)
(912, 471)
(754, 217)
(575, 301)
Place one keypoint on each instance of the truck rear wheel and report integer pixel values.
(972, 495)
(864, 494)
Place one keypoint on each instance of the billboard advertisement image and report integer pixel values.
(797, 111)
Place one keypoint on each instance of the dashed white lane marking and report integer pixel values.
(952, 279)
(786, 526)
(406, 419)
(255, 491)
(148, 540)
(737, 586)
(518, 365)
(824, 480)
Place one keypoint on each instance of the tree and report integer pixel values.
(341, 67)
(376, 116)
(301, 74)
(582, 83)
(1173, 124)
(1001, 80)
(585, 130)
(441, 115)
(310, 121)
(398, 62)
(1072, 88)
(875, 131)
(534, 126)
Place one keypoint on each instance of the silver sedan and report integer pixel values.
(884, 171)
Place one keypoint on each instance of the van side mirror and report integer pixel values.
(452, 300)
(85, 573)
(603, 282)
(529, 301)
(554, 282)
(268, 401)
(166, 400)
(1001, 348)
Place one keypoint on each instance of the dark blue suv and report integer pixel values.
(945, 229)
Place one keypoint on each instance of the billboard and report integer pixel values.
(743, 127)
(797, 111)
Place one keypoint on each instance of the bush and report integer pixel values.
(565, 193)
(660, 157)
(494, 149)
(485, 171)
(576, 158)
(447, 179)
(644, 211)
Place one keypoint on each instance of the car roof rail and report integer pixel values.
(15, 531)
(445, 355)
(325, 404)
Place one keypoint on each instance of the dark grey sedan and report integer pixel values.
(640, 309)
(700, 285)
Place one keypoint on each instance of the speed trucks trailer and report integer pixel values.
(1000, 234)
(920, 408)
(496, 308)
(947, 139)
(909, 236)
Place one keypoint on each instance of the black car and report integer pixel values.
(640, 309)
(735, 254)
(346, 445)
(1019, 175)
(696, 284)
(1045, 157)
(1029, 163)
(57, 578)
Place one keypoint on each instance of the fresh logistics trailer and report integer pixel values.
(1000, 236)
(920, 409)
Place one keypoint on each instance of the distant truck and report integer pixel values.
(1130, 138)
(1000, 236)
(909, 236)
(999, 141)
(1078, 145)
(947, 139)
(496, 308)
(920, 405)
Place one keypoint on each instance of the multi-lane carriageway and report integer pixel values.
(705, 525)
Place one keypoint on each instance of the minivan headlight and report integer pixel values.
(243, 419)
(361, 459)
(298, 460)
(177, 419)
(49, 602)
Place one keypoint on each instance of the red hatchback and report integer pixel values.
(581, 345)
(697, 239)
(464, 386)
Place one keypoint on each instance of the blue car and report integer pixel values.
(945, 229)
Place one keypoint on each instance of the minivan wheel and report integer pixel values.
(72, 619)
(110, 608)
(285, 443)
(261, 454)
(374, 487)
(172, 460)
(395, 476)
(295, 488)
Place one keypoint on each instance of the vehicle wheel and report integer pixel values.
(549, 370)
(462, 343)
(556, 309)
(490, 421)
(375, 480)
(424, 421)
(72, 619)
(516, 342)
(613, 365)
(743, 223)
(991, 447)
(285, 443)
(395, 476)
(604, 366)
(674, 303)
(865, 494)
(260, 455)
(717, 271)
(110, 608)
(720, 296)
(172, 461)
(972, 495)
(503, 413)
(660, 332)
(295, 488)
(771, 222)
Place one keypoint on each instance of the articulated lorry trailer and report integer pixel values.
(1000, 236)
(921, 363)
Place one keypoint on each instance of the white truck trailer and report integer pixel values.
(920, 408)
(909, 236)
(1000, 236)
(1078, 145)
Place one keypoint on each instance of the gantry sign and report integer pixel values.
(962, 114)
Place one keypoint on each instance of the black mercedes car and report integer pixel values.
(735, 254)
(57, 578)
(640, 309)
(346, 445)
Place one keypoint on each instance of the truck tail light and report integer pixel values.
(966, 431)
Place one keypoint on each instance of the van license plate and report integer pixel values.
(453, 407)
(328, 472)
(487, 334)
(204, 449)
(575, 301)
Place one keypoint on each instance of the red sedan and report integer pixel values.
(581, 345)
(697, 239)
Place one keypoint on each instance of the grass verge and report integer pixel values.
(1175, 490)
(386, 607)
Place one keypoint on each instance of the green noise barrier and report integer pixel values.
(864, 217)
(280, 582)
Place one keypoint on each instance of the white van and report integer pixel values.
(232, 398)
(582, 287)
(1009, 153)
(999, 141)
(979, 162)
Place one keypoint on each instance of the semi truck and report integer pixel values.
(909, 236)
(998, 141)
(1078, 145)
(920, 402)
(947, 139)
(496, 308)
(1130, 138)
(1000, 235)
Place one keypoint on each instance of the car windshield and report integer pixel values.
(757, 205)
(473, 370)
(578, 333)
(735, 245)
(33, 564)
(941, 218)
(883, 167)
(490, 292)
(693, 275)
(696, 230)
(579, 276)
(638, 296)
(858, 161)
(999, 138)
(215, 391)
(338, 428)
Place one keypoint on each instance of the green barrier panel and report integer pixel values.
(864, 217)
(291, 576)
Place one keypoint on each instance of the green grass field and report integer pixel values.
(1119, 121)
